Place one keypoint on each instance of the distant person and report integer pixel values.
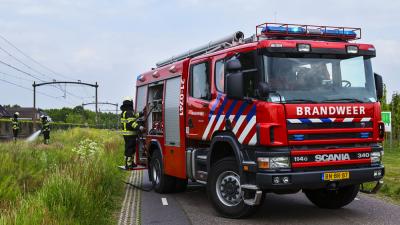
(45, 129)
(130, 127)
(15, 126)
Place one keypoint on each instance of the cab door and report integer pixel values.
(198, 101)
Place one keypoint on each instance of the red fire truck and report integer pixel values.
(294, 107)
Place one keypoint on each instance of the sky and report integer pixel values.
(113, 41)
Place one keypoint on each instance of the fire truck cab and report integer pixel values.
(294, 107)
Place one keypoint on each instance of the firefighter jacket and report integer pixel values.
(129, 122)
(15, 124)
(45, 126)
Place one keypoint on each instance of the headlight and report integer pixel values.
(280, 162)
(376, 157)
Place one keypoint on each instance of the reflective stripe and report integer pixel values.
(124, 114)
(128, 132)
(15, 124)
(46, 127)
(125, 121)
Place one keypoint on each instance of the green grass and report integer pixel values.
(74, 180)
(391, 160)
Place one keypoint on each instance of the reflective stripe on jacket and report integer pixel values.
(129, 124)
(46, 126)
(15, 124)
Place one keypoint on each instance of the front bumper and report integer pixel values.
(313, 179)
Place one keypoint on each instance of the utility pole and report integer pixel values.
(34, 106)
(116, 114)
(97, 110)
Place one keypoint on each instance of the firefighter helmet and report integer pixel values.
(127, 98)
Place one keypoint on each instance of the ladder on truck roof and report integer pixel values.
(228, 41)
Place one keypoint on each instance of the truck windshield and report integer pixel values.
(319, 78)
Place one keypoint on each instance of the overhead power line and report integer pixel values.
(15, 76)
(26, 88)
(20, 61)
(39, 92)
(28, 66)
(32, 59)
(19, 70)
(33, 76)
(33, 69)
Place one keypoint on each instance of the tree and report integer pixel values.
(79, 115)
(384, 104)
(395, 109)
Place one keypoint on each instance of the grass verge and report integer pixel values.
(74, 180)
(391, 160)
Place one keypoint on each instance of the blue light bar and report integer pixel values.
(364, 135)
(338, 32)
(283, 29)
(307, 31)
(140, 77)
(298, 137)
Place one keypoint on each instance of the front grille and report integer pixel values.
(305, 126)
(329, 130)
(330, 157)
(325, 136)
(332, 146)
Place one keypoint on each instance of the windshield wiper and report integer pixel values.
(344, 100)
(300, 100)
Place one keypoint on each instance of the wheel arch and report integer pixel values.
(230, 148)
(155, 146)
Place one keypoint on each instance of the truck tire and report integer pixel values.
(224, 192)
(332, 199)
(162, 183)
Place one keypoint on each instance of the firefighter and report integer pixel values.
(130, 128)
(45, 129)
(15, 126)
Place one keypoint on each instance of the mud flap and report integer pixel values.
(374, 190)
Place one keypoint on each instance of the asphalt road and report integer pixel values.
(193, 207)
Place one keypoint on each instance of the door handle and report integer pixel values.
(205, 105)
(190, 123)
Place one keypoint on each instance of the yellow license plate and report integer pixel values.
(336, 176)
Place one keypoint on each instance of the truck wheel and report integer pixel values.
(223, 188)
(332, 199)
(162, 183)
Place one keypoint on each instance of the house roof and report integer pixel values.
(27, 112)
(4, 112)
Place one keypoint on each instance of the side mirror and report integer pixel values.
(234, 79)
(264, 89)
(233, 65)
(378, 85)
(234, 85)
